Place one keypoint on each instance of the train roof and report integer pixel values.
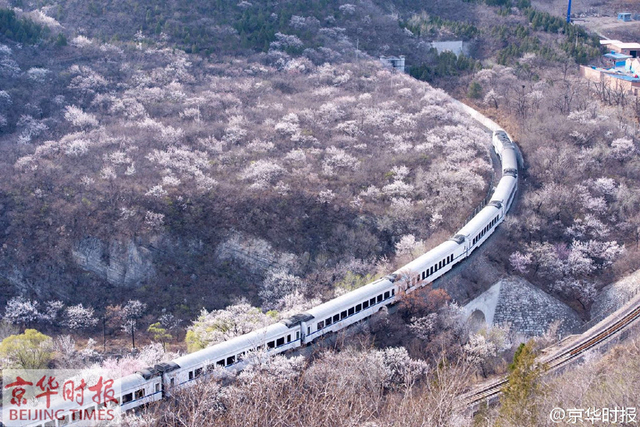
(130, 382)
(347, 300)
(428, 259)
(503, 190)
(233, 346)
(479, 221)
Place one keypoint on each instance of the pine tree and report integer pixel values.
(520, 396)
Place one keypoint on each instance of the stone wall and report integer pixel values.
(527, 309)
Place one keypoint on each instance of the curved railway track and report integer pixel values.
(561, 355)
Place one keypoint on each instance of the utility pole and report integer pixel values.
(569, 13)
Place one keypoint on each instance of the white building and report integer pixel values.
(393, 62)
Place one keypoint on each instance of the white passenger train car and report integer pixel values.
(154, 383)
(347, 309)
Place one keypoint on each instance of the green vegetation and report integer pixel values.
(205, 27)
(504, 4)
(159, 333)
(427, 25)
(520, 40)
(447, 64)
(353, 281)
(30, 350)
(518, 402)
(475, 90)
(20, 30)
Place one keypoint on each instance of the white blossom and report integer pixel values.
(623, 148)
(220, 325)
(520, 262)
(326, 196)
(79, 118)
(108, 173)
(154, 219)
(277, 284)
(263, 170)
(156, 191)
(80, 41)
(79, 317)
(37, 74)
(21, 311)
(408, 245)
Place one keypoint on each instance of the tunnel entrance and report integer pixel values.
(476, 321)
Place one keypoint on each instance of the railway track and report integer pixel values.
(561, 355)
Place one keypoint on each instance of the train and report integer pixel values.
(155, 383)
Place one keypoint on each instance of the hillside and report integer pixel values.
(137, 168)
(173, 174)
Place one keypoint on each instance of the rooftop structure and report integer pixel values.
(616, 46)
(624, 16)
(621, 70)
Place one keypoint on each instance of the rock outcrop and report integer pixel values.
(119, 263)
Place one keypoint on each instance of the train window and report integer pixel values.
(289, 338)
(336, 318)
(241, 355)
(379, 298)
(231, 360)
(308, 330)
(279, 342)
(140, 393)
(393, 292)
(298, 335)
(372, 301)
(211, 367)
(127, 398)
(197, 372)
(157, 388)
(172, 382)
(358, 308)
(220, 362)
(190, 378)
(343, 314)
(327, 321)
(272, 344)
(365, 304)
(424, 275)
(320, 325)
(387, 295)
(352, 310)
